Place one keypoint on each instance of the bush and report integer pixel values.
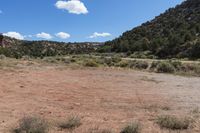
(195, 68)
(123, 63)
(165, 67)
(116, 59)
(26, 57)
(31, 125)
(108, 61)
(131, 128)
(177, 64)
(154, 65)
(71, 123)
(173, 123)
(90, 63)
(139, 64)
(2, 57)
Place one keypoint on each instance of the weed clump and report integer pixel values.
(71, 123)
(31, 125)
(173, 123)
(131, 128)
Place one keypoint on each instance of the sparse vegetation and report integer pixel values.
(71, 123)
(173, 123)
(31, 125)
(131, 128)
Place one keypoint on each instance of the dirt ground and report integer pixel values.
(102, 97)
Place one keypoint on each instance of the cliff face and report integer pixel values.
(174, 33)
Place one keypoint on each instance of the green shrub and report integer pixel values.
(73, 60)
(177, 64)
(122, 63)
(165, 67)
(32, 125)
(139, 64)
(116, 59)
(173, 123)
(108, 62)
(154, 65)
(90, 63)
(71, 123)
(131, 128)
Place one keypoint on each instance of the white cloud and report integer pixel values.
(29, 36)
(96, 35)
(44, 35)
(14, 35)
(72, 6)
(63, 35)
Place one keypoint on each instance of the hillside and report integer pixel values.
(17, 48)
(173, 34)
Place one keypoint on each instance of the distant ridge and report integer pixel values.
(12, 47)
(173, 34)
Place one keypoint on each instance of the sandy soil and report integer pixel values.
(102, 97)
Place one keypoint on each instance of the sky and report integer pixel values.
(76, 20)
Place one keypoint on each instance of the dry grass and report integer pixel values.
(31, 125)
(71, 123)
(173, 123)
(131, 128)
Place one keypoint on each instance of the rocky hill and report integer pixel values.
(17, 48)
(173, 34)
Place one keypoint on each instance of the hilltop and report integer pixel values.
(173, 34)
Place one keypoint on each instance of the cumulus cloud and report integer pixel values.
(72, 6)
(15, 35)
(63, 35)
(96, 35)
(44, 35)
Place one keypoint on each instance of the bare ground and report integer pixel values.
(102, 97)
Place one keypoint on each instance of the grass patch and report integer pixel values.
(173, 123)
(131, 128)
(71, 123)
(31, 125)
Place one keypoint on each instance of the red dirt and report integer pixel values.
(107, 98)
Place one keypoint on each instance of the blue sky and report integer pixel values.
(76, 20)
